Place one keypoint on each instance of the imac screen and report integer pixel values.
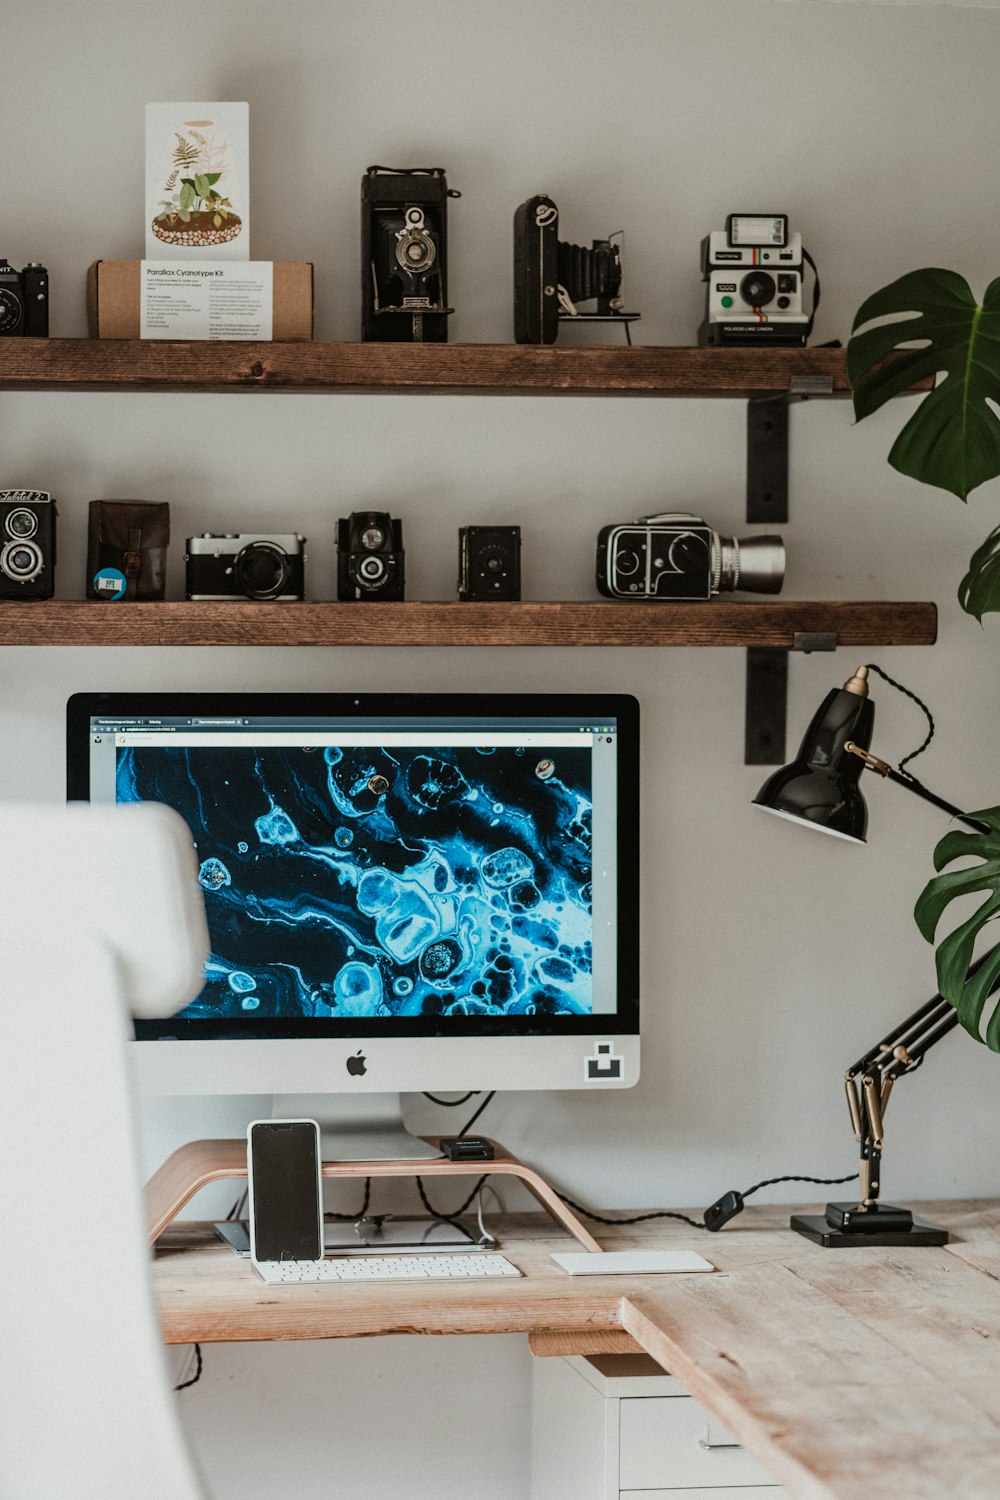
(426, 866)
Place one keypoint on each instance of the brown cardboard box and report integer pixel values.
(113, 300)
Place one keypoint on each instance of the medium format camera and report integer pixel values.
(551, 276)
(370, 557)
(404, 296)
(754, 270)
(27, 544)
(245, 565)
(489, 562)
(24, 300)
(678, 556)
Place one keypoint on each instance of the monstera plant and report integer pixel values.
(928, 324)
(952, 439)
(966, 987)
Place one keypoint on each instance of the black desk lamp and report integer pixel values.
(820, 789)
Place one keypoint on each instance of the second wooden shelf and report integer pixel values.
(571, 623)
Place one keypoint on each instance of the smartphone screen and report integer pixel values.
(286, 1218)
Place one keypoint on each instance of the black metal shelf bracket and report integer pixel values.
(767, 696)
(767, 447)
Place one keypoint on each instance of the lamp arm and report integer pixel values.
(868, 1083)
(903, 778)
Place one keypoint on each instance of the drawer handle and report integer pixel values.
(711, 1447)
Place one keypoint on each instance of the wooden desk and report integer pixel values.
(848, 1373)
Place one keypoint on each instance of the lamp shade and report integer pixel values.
(820, 786)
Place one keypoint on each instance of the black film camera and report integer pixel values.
(552, 276)
(245, 565)
(754, 269)
(489, 562)
(678, 556)
(27, 544)
(404, 214)
(24, 300)
(370, 557)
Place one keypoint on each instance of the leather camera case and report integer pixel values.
(132, 536)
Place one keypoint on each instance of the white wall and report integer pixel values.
(771, 959)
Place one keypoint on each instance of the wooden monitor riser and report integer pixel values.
(195, 1165)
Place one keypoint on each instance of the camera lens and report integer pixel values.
(371, 568)
(21, 523)
(372, 538)
(11, 310)
(261, 570)
(493, 564)
(22, 560)
(416, 250)
(757, 288)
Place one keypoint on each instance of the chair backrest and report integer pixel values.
(101, 915)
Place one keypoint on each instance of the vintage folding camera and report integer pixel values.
(24, 300)
(678, 556)
(489, 562)
(754, 271)
(245, 565)
(551, 276)
(370, 557)
(404, 214)
(27, 544)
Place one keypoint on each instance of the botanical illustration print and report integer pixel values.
(195, 209)
(383, 881)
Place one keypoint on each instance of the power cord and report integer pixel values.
(435, 1213)
(717, 1214)
(920, 704)
(197, 1371)
(352, 1218)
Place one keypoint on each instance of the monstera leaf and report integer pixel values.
(952, 439)
(979, 591)
(967, 993)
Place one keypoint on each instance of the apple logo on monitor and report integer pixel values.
(356, 1065)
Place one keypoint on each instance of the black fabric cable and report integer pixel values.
(428, 1205)
(717, 1214)
(197, 1371)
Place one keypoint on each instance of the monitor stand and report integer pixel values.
(356, 1127)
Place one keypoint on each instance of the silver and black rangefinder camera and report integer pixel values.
(679, 557)
(754, 270)
(245, 565)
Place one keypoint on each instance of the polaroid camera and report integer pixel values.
(754, 270)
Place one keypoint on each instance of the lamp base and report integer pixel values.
(851, 1226)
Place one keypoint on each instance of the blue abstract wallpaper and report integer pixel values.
(390, 881)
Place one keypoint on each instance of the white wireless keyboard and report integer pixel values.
(420, 1267)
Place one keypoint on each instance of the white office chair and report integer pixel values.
(100, 914)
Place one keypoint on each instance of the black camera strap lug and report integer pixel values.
(767, 695)
(767, 447)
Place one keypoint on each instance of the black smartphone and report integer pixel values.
(286, 1190)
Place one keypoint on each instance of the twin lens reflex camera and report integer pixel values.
(370, 557)
(679, 557)
(754, 271)
(27, 544)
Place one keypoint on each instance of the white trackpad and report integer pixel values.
(631, 1262)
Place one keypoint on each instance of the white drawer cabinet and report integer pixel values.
(614, 1427)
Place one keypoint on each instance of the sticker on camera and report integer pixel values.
(110, 584)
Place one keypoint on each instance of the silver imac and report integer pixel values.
(405, 892)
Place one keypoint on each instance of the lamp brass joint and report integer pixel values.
(872, 762)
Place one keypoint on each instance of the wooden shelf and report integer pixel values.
(510, 369)
(718, 623)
